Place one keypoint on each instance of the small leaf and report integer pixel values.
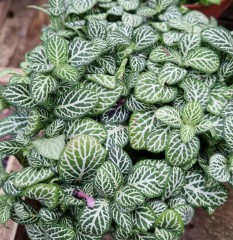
(187, 132)
(50, 147)
(131, 20)
(202, 59)
(79, 161)
(170, 116)
(81, 6)
(67, 73)
(97, 220)
(219, 38)
(192, 113)
(228, 131)
(5, 211)
(57, 50)
(103, 80)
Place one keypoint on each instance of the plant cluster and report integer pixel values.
(123, 122)
(203, 2)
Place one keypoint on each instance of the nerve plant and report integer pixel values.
(122, 122)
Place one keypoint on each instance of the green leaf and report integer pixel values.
(10, 147)
(171, 74)
(41, 86)
(121, 158)
(55, 128)
(228, 131)
(108, 179)
(86, 236)
(157, 139)
(170, 116)
(50, 147)
(67, 73)
(158, 207)
(218, 168)
(164, 234)
(9, 186)
(199, 195)
(170, 220)
(187, 132)
(160, 26)
(189, 42)
(96, 29)
(106, 98)
(103, 80)
(116, 38)
(123, 220)
(129, 5)
(163, 4)
(171, 38)
(117, 135)
(75, 103)
(179, 153)
(186, 212)
(118, 114)
(83, 6)
(49, 217)
(148, 180)
(12, 124)
(219, 38)
(196, 91)
(5, 211)
(129, 197)
(202, 59)
(57, 50)
(97, 220)
(140, 126)
(82, 52)
(175, 183)
(192, 113)
(203, 126)
(145, 37)
(143, 218)
(47, 194)
(82, 156)
(149, 91)
(19, 96)
(137, 63)
(109, 63)
(165, 54)
(131, 20)
(30, 176)
(86, 126)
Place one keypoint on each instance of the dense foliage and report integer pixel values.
(203, 2)
(123, 122)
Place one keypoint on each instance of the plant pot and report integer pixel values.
(213, 10)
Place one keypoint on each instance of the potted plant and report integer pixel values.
(123, 122)
(211, 8)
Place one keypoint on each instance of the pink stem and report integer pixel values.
(90, 200)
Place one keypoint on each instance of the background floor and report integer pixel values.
(19, 33)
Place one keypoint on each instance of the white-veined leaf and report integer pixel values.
(55, 128)
(19, 96)
(171, 38)
(117, 135)
(161, 26)
(170, 116)
(5, 211)
(199, 195)
(82, 52)
(108, 179)
(30, 176)
(157, 139)
(171, 74)
(147, 179)
(103, 80)
(47, 194)
(57, 50)
(108, 62)
(165, 54)
(192, 113)
(86, 126)
(75, 103)
(228, 131)
(67, 73)
(9, 186)
(10, 147)
(121, 158)
(219, 38)
(143, 218)
(202, 59)
(97, 220)
(81, 6)
(129, 5)
(129, 197)
(50, 147)
(164, 234)
(140, 126)
(131, 20)
(96, 29)
(187, 132)
(158, 207)
(203, 126)
(49, 217)
(195, 90)
(137, 63)
(145, 37)
(186, 212)
(175, 183)
(218, 168)
(41, 86)
(82, 156)
(170, 220)
(179, 153)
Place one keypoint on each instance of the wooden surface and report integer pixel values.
(20, 33)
